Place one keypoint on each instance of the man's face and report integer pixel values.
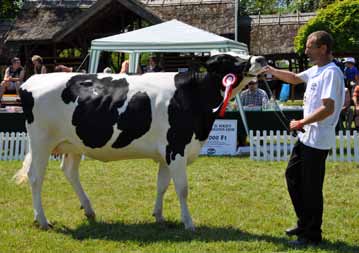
(349, 64)
(252, 86)
(314, 52)
(16, 64)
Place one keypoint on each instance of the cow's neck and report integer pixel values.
(210, 89)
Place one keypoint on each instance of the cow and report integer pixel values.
(163, 116)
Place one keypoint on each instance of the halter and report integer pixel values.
(228, 82)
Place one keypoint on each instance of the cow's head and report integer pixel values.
(245, 67)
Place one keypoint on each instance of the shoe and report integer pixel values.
(293, 231)
(302, 242)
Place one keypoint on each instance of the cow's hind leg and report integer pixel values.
(39, 159)
(178, 173)
(70, 166)
(163, 180)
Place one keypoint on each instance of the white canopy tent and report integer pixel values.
(170, 36)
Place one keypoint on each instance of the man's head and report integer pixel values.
(349, 62)
(16, 63)
(36, 60)
(253, 84)
(152, 61)
(319, 47)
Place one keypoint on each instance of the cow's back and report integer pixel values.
(126, 118)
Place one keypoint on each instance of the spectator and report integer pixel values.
(356, 106)
(253, 96)
(107, 70)
(13, 78)
(39, 67)
(346, 115)
(153, 65)
(63, 68)
(351, 73)
(125, 68)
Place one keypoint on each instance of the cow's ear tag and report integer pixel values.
(228, 81)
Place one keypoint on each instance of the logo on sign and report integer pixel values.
(211, 151)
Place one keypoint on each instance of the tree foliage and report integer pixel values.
(9, 8)
(283, 6)
(341, 19)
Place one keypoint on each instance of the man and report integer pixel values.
(323, 101)
(153, 65)
(253, 96)
(351, 72)
(13, 78)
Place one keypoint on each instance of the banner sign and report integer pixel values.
(222, 139)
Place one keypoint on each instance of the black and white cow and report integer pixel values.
(163, 116)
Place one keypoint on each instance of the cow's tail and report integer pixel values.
(21, 176)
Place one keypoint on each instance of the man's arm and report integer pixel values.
(321, 113)
(7, 74)
(284, 75)
(22, 75)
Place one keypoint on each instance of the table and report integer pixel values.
(261, 120)
(256, 120)
(12, 122)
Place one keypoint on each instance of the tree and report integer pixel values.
(9, 8)
(341, 19)
(248, 7)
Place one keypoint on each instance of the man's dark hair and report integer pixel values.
(15, 59)
(323, 38)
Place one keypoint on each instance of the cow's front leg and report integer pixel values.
(163, 180)
(178, 173)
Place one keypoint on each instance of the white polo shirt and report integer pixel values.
(322, 82)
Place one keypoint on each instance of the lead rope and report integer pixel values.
(279, 116)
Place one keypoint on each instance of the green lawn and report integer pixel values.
(237, 205)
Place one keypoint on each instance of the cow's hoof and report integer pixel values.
(45, 226)
(159, 218)
(91, 216)
(81, 207)
(190, 228)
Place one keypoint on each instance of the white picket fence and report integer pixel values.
(277, 146)
(14, 146)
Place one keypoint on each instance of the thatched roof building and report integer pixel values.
(48, 27)
(5, 26)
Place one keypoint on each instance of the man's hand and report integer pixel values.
(296, 125)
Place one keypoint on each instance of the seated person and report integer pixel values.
(107, 70)
(153, 65)
(39, 67)
(253, 96)
(356, 106)
(13, 78)
(125, 68)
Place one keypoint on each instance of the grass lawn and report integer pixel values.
(237, 205)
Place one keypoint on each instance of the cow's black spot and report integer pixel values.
(190, 111)
(135, 121)
(97, 110)
(27, 102)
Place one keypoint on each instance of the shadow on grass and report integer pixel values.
(175, 232)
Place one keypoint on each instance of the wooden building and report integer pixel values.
(61, 31)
